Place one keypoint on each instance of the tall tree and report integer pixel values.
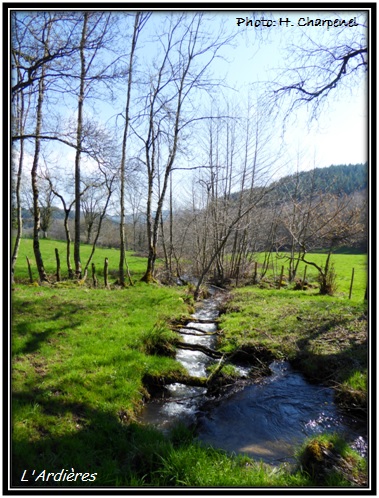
(186, 54)
(20, 106)
(96, 35)
(139, 22)
(79, 138)
(45, 39)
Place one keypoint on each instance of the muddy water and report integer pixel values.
(266, 421)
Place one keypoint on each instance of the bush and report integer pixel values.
(328, 282)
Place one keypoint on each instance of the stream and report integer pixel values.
(264, 420)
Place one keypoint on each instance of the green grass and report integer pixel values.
(80, 354)
(331, 461)
(324, 336)
(137, 265)
(78, 360)
(343, 266)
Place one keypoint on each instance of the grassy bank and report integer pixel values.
(325, 337)
(80, 355)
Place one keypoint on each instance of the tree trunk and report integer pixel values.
(20, 124)
(79, 138)
(34, 176)
(149, 274)
(68, 246)
(123, 152)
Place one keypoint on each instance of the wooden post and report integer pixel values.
(94, 279)
(106, 273)
(281, 277)
(58, 265)
(255, 271)
(30, 270)
(351, 283)
(305, 274)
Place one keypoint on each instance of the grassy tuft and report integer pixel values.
(329, 459)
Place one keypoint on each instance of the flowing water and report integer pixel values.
(268, 420)
(265, 421)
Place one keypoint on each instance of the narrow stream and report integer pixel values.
(264, 420)
(183, 402)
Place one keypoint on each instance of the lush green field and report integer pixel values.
(343, 266)
(80, 354)
(137, 265)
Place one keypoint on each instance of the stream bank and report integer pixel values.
(264, 412)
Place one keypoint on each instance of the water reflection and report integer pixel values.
(268, 420)
(265, 421)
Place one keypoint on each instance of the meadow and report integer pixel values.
(343, 265)
(80, 354)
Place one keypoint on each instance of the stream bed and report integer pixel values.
(265, 420)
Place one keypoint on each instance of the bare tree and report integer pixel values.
(139, 22)
(20, 108)
(91, 203)
(109, 181)
(67, 207)
(45, 40)
(239, 166)
(169, 109)
(318, 70)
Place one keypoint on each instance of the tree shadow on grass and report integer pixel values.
(99, 443)
(37, 337)
(348, 355)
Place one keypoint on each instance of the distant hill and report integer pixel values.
(341, 179)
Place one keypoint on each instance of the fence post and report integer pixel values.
(281, 277)
(30, 270)
(351, 283)
(305, 273)
(106, 273)
(255, 272)
(94, 275)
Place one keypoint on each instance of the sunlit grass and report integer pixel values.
(137, 265)
(79, 356)
(326, 336)
(343, 266)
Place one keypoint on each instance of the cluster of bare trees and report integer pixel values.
(55, 66)
(61, 63)
(150, 74)
(220, 237)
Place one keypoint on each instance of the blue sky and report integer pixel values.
(339, 135)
